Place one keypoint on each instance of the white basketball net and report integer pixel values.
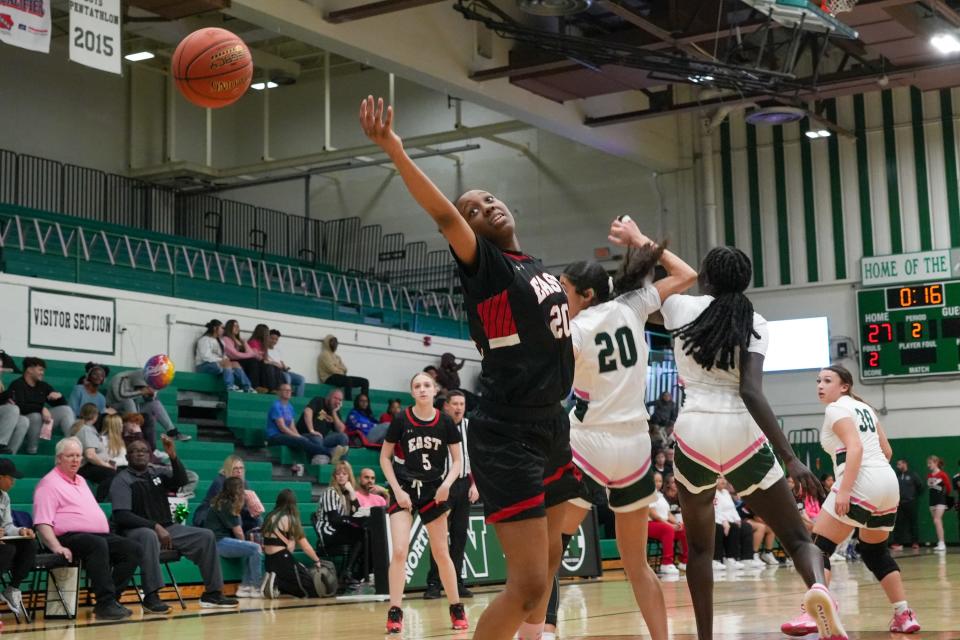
(839, 6)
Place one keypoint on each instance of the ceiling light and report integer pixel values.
(260, 86)
(945, 43)
(700, 79)
(818, 133)
(140, 55)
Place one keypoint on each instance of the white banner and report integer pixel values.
(71, 322)
(95, 34)
(909, 267)
(26, 24)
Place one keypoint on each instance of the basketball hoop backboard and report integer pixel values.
(804, 13)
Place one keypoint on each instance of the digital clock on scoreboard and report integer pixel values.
(910, 330)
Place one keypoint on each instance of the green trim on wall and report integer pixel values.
(863, 175)
(809, 209)
(756, 236)
(950, 166)
(783, 225)
(890, 162)
(836, 197)
(726, 162)
(920, 161)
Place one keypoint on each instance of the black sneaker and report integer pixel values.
(216, 599)
(395, 620)
(180, 437)
(153, 604)
(464, 592)
(432, 592)
(111, 610)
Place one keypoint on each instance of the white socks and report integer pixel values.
(529, 631)
(900, 607)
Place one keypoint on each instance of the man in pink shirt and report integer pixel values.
(71, 523)
(368, 493)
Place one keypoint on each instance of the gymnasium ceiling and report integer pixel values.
(605, 77)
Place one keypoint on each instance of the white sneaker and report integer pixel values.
(682, 566)
(732, 565)
(755, 562)
(247, 591)
(837, 557)
(14, 600)
(768, 558)
(940, 547)
(669, 570)
(339, 452)
(719, 566)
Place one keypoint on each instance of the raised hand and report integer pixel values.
(624, 232)
(377, 124)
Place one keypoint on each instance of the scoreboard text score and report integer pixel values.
(910, 330)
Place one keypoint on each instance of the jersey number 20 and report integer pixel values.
(626, 346)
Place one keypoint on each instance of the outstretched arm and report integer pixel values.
(377, 124)
(751, 391)
(680, 276)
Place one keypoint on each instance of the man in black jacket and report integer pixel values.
(907, 525)
(141, 512)
(32, 395)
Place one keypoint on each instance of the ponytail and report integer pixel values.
(846, 378)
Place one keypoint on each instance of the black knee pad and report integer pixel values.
(827, 547)
(877, 558)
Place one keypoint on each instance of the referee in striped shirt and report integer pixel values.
(463, 493)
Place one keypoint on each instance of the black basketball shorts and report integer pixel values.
(521, 466)
(423, 499)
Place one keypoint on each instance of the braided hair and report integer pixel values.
(714, 337)
(632, 274)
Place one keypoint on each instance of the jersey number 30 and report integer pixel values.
(626, 346)
(866, 421)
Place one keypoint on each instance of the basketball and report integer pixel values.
(212, 68)
(159, 371)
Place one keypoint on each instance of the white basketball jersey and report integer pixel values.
(610, 378)
(865, 420)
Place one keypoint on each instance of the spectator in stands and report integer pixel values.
(433, 372)
(282, 533)
(111, 437)
(87, 390)
(209, 357)
(71, 523)
(336, 519)
(734, 538)
(129, 393)
(240, 352)
(295, 380)
(32, 395)
(96, 465)
(320, 422)
(141, 512)
(907, 527)
(361, 420)
(13, 426)
(447, 375)
(224, 520)
(251, 515)
(394, 406)
(369, 493)
(668, 530)
(663, 413)
(282, 431)
(16, 556)
(660, 464)
(763, 536)
(331, 370)
(270, 375)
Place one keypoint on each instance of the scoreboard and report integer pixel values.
(910, 330)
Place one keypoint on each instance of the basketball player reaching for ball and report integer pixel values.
(420, 485)
(519, 434)
(727, 427)
(609, 435)
(865, 494)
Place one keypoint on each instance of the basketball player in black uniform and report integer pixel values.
(425, 437)
(519, 434)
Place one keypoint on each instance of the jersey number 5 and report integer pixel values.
(625, 345)
(426, 462)
(866, 421)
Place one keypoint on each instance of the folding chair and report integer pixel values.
(42, 573)
(167, 557)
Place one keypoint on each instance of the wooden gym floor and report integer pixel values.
(750, 606)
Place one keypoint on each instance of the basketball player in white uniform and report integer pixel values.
(609, 435)
(865, 494)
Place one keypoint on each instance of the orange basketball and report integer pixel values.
(212, 67)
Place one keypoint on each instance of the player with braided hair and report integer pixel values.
(727, 427)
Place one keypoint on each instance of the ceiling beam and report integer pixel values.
(657, 32)
(524, 69)
(375, 9)
(945, 11)
(643, 114)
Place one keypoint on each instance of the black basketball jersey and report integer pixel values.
(424, 445)
(520, 323)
